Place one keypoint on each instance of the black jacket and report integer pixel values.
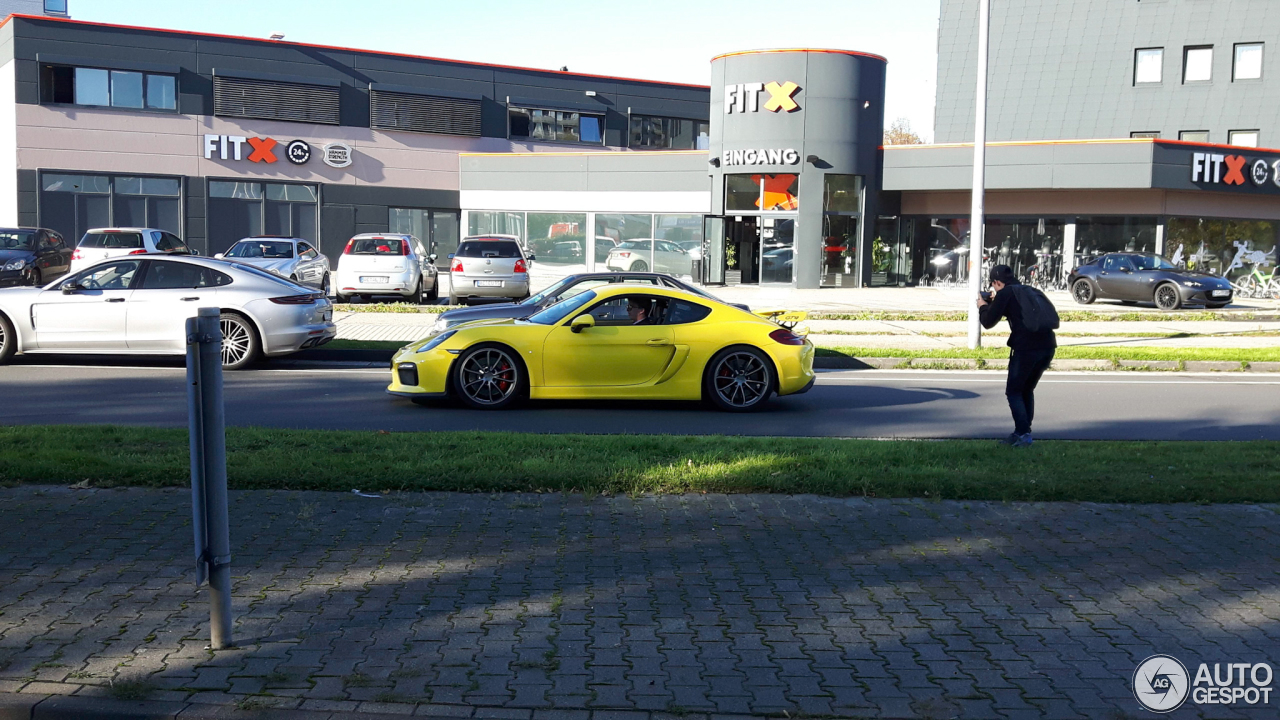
(1005, 305)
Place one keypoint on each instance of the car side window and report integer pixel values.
(115, 276)
(1123, 263)
(681, 312)
(640, 281)
(163, 275)
(615, 311)
(579, 288)
(176, 244)
(306, 252)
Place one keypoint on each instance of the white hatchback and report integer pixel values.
(386, 264)
(102, 243)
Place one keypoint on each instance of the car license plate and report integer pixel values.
(374, 279)
(488, 283)
(1221, 293)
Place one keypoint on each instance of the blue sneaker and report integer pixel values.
(1023, 441)
(1011, 440)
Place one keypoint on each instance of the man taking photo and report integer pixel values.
(1032, 342)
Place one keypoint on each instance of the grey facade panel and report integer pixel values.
(1065, 70)
(597, 172)
(1029, 166)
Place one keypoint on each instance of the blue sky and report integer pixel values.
(661, 41)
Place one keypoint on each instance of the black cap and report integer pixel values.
(1003, 274)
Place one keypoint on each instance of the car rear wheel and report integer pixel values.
(489, 377)
(640, 266)
(239, 341)
(433, 295)
(326, 285)
(1167, 297)
(738, 379)
(8, 340)
(1082, 292)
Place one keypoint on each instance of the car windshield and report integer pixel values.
(376, 246)
(488, 248)
(550, 292)
(1151, 262)
(562, 309)
(13, 240)
(271, 249)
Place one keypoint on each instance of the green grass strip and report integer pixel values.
(1069, 352)
(1142, 472)
(393, 308)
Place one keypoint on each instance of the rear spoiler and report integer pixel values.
(786, 318)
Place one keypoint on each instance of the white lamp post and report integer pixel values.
(977, 222)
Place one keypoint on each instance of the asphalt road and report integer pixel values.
(876, 403)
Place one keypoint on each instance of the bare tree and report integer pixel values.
(900, 133)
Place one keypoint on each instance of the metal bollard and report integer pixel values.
(209, 470)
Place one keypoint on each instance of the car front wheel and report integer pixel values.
(239, 341)
(1167, 298)
(489, 377)
(639, 266)
(8, 340)
(1082, 292)
(738, 379)
(34, 279)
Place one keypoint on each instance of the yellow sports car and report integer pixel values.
(611, 342)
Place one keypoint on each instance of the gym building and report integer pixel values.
(773, 174)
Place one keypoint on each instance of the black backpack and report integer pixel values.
(1037, 312)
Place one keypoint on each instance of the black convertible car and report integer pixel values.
(1143, 277)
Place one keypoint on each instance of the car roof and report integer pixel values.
(22, 229)
(492, 236)
(272, 237)
(380, 236)
(120, 229)
(612, 290)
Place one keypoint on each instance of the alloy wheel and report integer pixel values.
(1083, 292)
(236, 341)
(326, 286)
(741, 380)
(1167, 297)
(488, 376)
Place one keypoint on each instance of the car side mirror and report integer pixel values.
(450, 256)
(70, 287)
(218, 255)
(531, 257)
(432, 257)
(582, 322)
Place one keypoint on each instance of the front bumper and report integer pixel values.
(1203, 296)
(12, 278)
(429, 377)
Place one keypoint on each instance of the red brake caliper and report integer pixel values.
(502, 370)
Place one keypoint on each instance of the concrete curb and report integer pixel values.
(14, 706)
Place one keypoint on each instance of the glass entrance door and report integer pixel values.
(713, 247)
(777, 249)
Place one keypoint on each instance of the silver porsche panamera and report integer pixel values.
(139, 304)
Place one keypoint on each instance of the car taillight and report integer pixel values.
(347, 250)
(139, 252)
(786, 337)
(457, 266)
(624, 254)
(521, 267)
(77, 255)
(404, 248)
(295, 299)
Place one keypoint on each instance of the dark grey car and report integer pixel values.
(1145, 277)
(564, 288)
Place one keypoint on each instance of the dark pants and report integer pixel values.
(1025, 369)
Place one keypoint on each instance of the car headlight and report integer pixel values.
(436, 342)
(16, 264)
(1193, 283)
(440, 326)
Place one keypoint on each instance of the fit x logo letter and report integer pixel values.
(780, 97)
(262, 150)
(1235, 170)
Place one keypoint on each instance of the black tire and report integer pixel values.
(639, 266)
(1167, 297)
(739, 379)
(240, 343)
(8, 340)
(326, 285)
(1083, 292)
(342, 298)
(433, 295)
(420, 295)
(453, 299)
(489, 377)
(34, 279)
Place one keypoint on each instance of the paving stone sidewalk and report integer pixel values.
(563, 606)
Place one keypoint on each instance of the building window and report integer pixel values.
(1197, 64)
(55, 7)
(556, 126)
(1243, 138)
(1144, 134)
(241, 209)
(270, 100)
(1248, 62)
(756, 193)
(72, 204)
(1200, 136)
(1148, 66)
(648, 131)
(420, 113)
(96, 87)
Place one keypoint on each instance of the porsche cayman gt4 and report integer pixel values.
(617, 342)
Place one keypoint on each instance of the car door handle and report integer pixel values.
(658, 342)
(115, 299)
(189, 299)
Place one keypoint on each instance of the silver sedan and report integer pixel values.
(139, 304)
(287, 257)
